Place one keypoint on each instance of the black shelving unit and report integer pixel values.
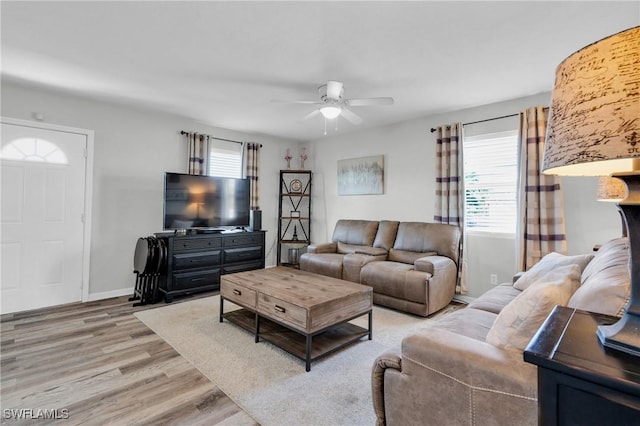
(294, 215)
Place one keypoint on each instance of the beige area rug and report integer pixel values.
(267, 382)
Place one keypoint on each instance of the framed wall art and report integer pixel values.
(361, 176)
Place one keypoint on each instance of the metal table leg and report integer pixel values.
(257, 338)
(308, 354)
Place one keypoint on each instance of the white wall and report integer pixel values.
(409, 156)
(133, 149)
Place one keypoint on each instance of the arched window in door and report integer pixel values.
(33, 149)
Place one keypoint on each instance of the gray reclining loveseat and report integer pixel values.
(412, 266)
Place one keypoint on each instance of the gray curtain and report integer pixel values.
(197, 153)
(449, 194)
(252, 170)
(449, 206)
(541, 224)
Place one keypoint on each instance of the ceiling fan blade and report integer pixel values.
(351, 117)
(311, 114)
(369, 101)
(334, 89)
(281, 101)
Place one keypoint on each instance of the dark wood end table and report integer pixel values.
(580, 382)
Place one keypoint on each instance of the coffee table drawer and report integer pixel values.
(285, 312)
(242, 295)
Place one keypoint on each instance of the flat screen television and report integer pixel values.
(205, 202)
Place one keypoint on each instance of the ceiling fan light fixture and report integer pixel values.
(330, 112)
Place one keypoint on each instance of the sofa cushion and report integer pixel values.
(605, 287)
(423, 237)
(548, 263)
(352, 265)
(386, 235)
(343, 248)
(496, 298)
(355, 232)
(329, 264)
(519, 320)
(470, 322)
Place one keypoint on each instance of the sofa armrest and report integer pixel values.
(442, 280)
(516, 277)
(434, 264)
(474, 362)
(460, 380)
(388, 360)
(322, 248)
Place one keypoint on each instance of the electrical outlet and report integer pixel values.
(493, 279)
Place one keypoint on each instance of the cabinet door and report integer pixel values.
(199, 259)
(196, 243)
(193, 280)
(256, 238)
(242, 254)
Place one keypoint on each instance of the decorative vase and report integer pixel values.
(294, 255)
(288, 158)
(303, 157)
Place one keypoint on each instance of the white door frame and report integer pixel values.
(88, 188)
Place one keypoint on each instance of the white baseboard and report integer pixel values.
(110, 294)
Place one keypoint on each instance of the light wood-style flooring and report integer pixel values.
(96, 363)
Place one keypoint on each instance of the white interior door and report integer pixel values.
(42, 230)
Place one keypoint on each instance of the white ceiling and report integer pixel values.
(221, 63)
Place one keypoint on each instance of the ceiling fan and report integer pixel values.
(333, 104)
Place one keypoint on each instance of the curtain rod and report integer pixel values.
(433, 129)
(182, 132)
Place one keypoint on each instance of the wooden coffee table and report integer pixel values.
(303, 313)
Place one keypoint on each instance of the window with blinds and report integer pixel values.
(491, 180)
(225, 159)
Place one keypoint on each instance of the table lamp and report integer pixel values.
(613, 190)
(594, 130)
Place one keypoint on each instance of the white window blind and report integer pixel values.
(491, 180)
(225, 159)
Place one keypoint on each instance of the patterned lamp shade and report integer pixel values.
(594, 130)
(611, 189)
(594, 121)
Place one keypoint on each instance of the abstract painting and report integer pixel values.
(361, 176)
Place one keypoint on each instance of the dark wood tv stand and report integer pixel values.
(195, 262)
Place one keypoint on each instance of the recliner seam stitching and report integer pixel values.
(469, 385)
(472, 407)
